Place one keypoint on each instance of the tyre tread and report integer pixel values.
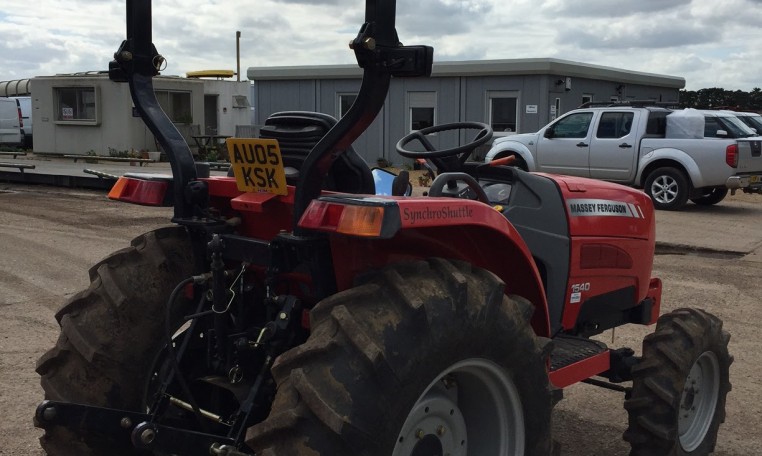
(681, 337)
(313, 409)
(105, 331)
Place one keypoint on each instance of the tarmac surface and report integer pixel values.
(732, 226)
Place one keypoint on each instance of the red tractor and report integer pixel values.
(306, 306)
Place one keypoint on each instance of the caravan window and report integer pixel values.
(176, 104)
(76, 104)
(503, 111)
(422, 108)
(345, 102)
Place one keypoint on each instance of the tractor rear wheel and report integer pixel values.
(679, 386)
(424, 358)
(111, 334)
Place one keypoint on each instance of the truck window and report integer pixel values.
(656, 127)
(615, 125)
(754, 122)
(573, 126)
(711, 125)
(734, 127)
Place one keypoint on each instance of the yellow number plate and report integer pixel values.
(257, 165)
(754, 179)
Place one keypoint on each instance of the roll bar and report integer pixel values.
(137, 62)
(378, 52)
(381, 56)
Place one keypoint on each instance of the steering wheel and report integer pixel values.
(484, 134)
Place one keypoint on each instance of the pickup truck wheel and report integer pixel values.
(679, 386)
(712, 196)
(422, 358)
(668, 188)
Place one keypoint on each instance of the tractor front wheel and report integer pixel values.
(679, 386)
(424, 358)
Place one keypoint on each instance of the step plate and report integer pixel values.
(568, 350)
(576, 359)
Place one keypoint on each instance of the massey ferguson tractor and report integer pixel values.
(306, 305)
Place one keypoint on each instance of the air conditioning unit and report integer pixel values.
(241, 101)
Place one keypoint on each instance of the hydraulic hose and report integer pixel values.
(171, 349)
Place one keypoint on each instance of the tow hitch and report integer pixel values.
(132, 428)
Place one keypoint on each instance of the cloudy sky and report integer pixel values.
(708, 42)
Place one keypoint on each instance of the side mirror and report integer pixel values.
(548, 133)
(721, 134)
(385, 183)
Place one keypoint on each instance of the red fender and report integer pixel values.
(457, 229)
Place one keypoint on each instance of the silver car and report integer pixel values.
(751, 119)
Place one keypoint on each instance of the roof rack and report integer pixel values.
(632, 103)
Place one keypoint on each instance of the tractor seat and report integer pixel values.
(297, 132)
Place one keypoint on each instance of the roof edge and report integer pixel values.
(506, 67)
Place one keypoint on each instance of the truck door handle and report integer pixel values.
(582, 144)
(625, 146)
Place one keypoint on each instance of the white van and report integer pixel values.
(10, 122)
(25, 104)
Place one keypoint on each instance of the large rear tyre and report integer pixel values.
(668, 188)
(679, 386)
(111, 334)
(425, 358)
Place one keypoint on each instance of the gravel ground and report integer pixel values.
(49, 237)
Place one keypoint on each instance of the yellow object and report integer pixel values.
(257, 165)
(210, 74)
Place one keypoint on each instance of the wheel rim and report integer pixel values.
(664, 189)
(473, 407)
(699, 401)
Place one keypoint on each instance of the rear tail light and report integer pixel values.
(731, 155)
(364, 220)
(137, 191)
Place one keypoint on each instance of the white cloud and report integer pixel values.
(609, 8)
(708, 43)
